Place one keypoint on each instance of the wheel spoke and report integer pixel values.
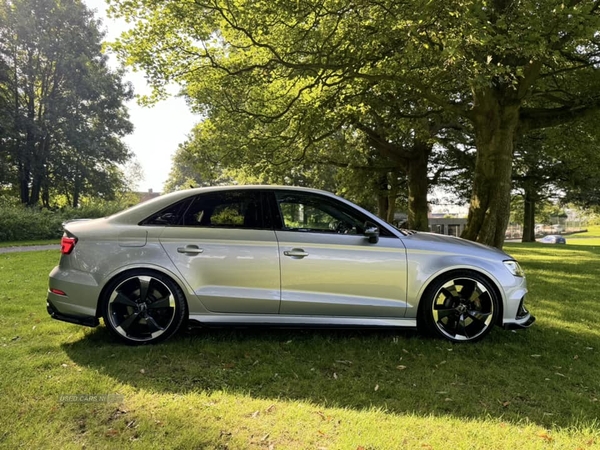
(127, 323)
(164, 302)
(461, 328)
(447, 319)
(152, 325)
(451, 326)
(468, 289)
(144, 287)
(445, 312)
(121, 299)
(479, 293)
(449, 292)
(479, 316)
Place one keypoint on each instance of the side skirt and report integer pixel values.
(293, 321)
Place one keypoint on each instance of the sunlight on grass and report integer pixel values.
(593, 231)
(590, 238)
(308, 389)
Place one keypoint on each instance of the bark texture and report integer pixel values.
(495, 121)
(418, 186)
(529, 214)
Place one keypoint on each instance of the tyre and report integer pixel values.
(143, 307)
(460, 306)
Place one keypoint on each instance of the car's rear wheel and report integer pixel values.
(460, 306)
(143, 307)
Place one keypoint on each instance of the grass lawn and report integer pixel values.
(591, 237)
(302, 389)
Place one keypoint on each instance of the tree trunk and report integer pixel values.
(495, 120)
(46, 195)
(23, 167)
(529, 214)
(39, 169)
(382, 196)
(36, 189)
(418, 185)
(392, 195)
(27, 161)
(77, 190)
(23, 174)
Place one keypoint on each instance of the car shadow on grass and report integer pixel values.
(543, 375)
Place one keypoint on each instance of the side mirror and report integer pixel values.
(372, 232)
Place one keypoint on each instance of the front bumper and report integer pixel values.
(523, 318)
(521, 324)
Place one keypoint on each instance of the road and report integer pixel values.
(29, 248)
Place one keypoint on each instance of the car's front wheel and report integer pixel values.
(460, 306)
(143, 307)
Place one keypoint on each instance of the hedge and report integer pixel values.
(18, 223)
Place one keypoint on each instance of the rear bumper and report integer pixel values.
(88, 321)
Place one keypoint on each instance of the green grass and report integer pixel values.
(308, 389)
(589, 238)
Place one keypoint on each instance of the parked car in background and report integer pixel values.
(553, 239)
(284, 256)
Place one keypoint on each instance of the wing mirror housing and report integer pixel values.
(372, 232)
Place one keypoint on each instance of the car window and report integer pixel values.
(316, 213)
(227, 209)
(169, 216)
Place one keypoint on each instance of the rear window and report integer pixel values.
(229, 209)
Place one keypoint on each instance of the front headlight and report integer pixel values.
(514, 268)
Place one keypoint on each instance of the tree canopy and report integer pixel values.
(386, 68)
(62, 108)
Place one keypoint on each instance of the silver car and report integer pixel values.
(553, 239)
(279, 256)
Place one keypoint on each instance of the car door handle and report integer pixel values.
(295, 253)
(190, 249)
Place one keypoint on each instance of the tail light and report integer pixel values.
(67, 244)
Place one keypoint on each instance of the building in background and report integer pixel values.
(145, 196)
(448, 224)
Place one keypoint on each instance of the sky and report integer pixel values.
(158, 129)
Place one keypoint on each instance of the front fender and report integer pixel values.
(423, 269)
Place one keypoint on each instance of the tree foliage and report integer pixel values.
(499, 68)
(218, 153)
(62, 107)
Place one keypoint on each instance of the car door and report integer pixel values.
(225, 248)
(329, 267)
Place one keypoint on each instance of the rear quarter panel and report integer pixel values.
(104, 251)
